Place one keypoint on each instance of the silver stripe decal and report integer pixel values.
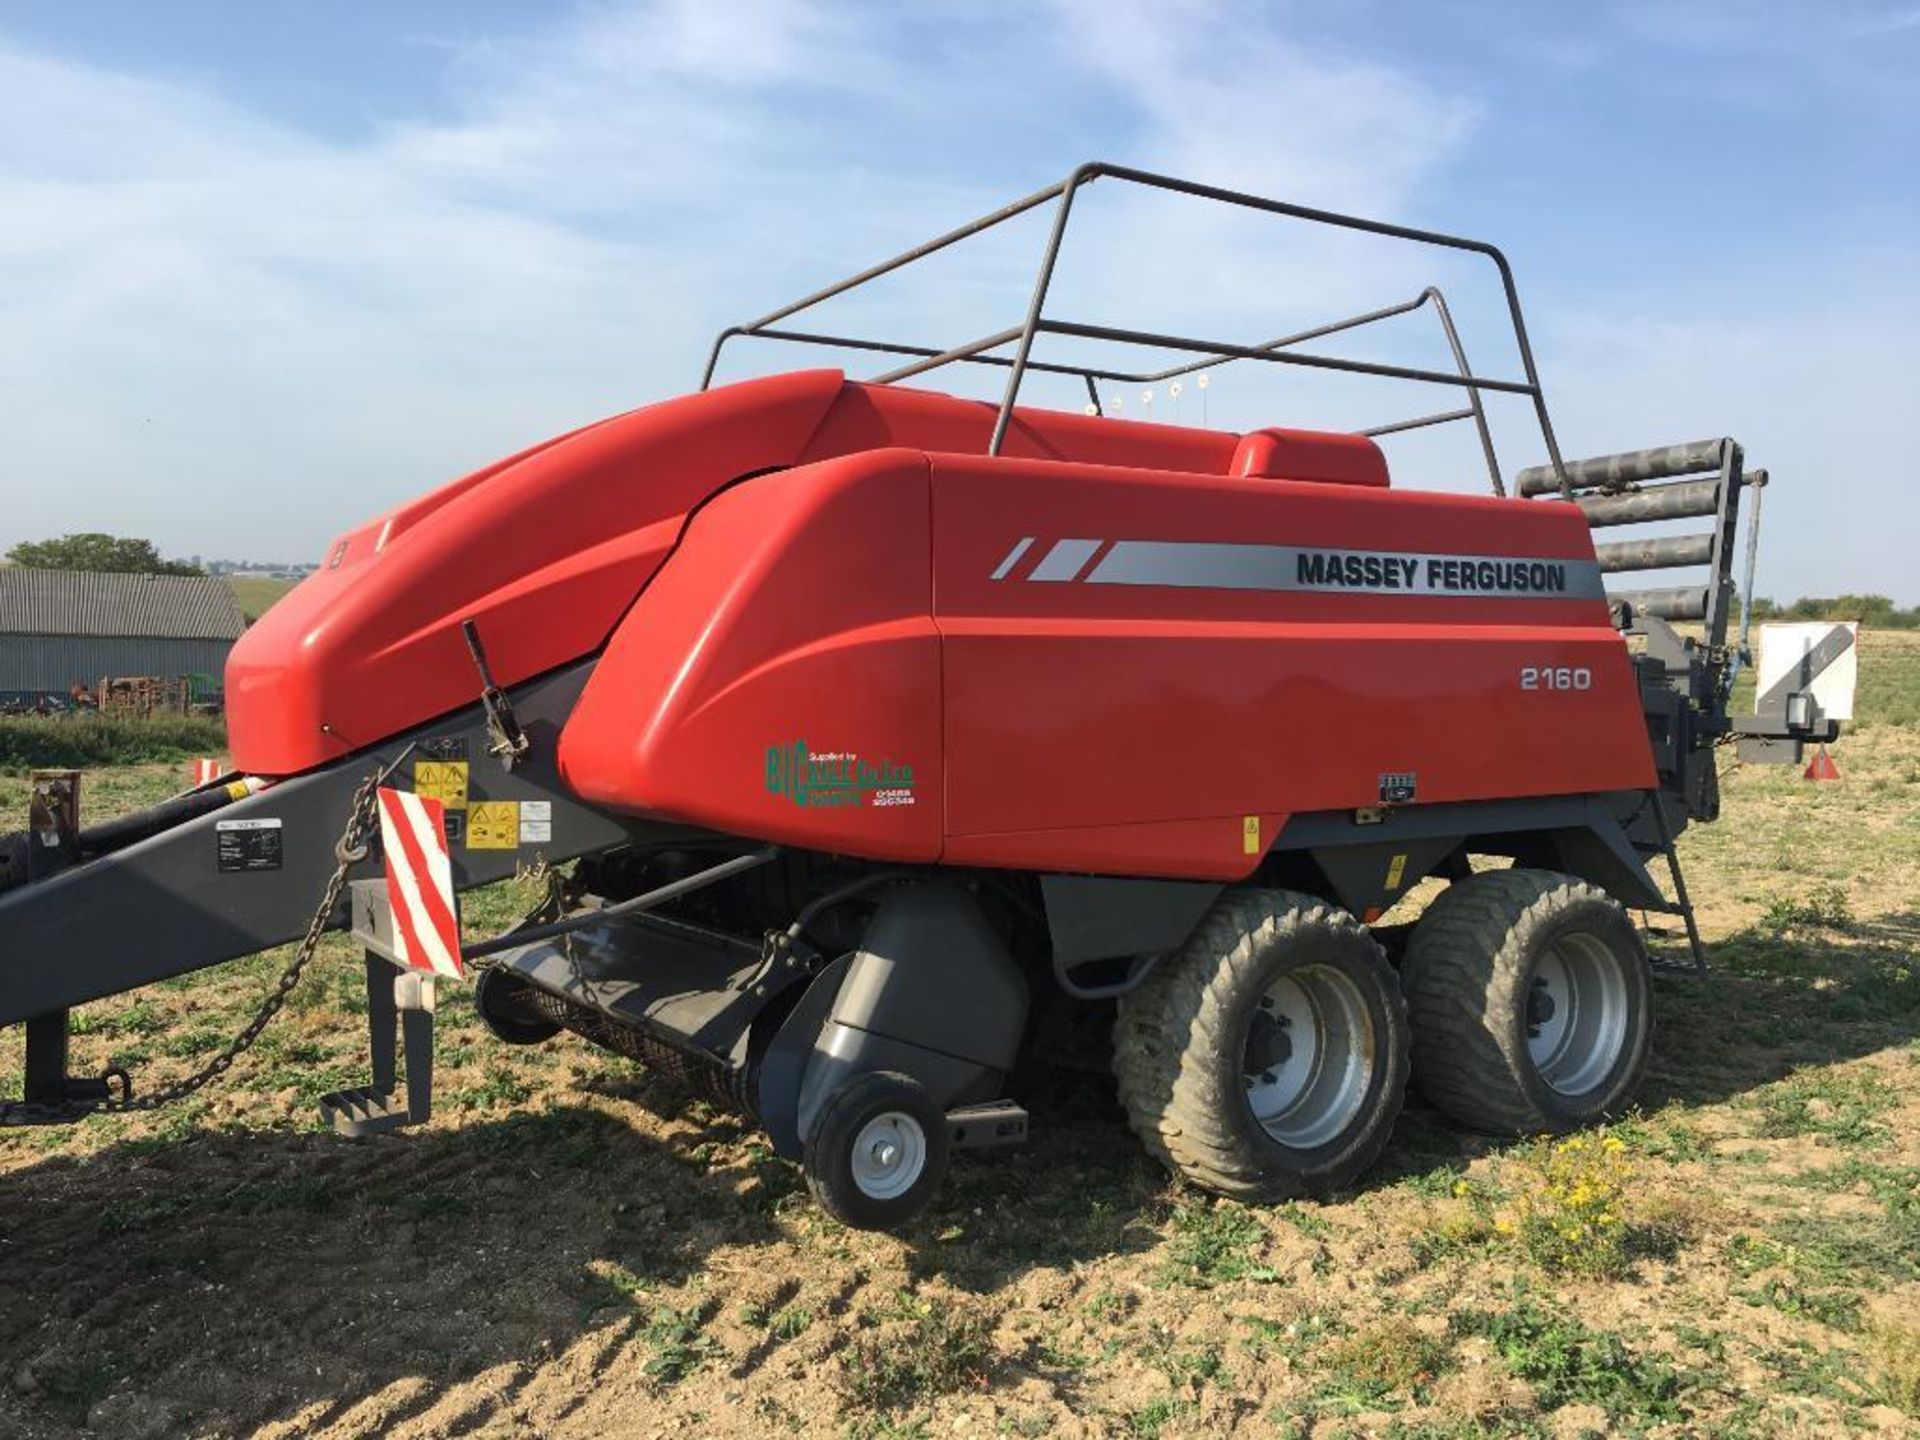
(1013, 557)
(1214, 565)
(1065, 559)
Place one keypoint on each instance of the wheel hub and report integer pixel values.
(1309, 1056)
(1576, 1014)
(1269, 1046)
(889, 1155)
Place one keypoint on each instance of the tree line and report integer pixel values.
(125, 555)
(1875, 612)
(91, 550)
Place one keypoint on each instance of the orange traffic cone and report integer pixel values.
(1821, 767)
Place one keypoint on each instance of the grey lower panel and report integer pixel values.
(693, 987)
(1580, 834)
(166, 905)
(1093, 917)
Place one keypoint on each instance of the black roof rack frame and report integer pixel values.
(922, 359)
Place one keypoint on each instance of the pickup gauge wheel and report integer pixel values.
(1267, 1058)
(877, 1151)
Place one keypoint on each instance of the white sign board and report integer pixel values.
(1812, 656)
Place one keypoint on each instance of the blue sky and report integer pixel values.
(266, 270)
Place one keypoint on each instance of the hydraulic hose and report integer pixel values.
(112, 835)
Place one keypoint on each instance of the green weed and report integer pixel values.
(1570, 1216)
(676, 1344)
(74, 1385)
(1842, 1106)
(1391, 1359)
(1894, 1350)
(923, 1349)
(1147, 1421)
(1569, 1364)
(1215, 1242)
(1826, 908)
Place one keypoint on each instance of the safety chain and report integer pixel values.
(349, 851)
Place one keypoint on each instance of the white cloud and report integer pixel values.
(235, 335)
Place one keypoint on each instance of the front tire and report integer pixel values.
(1267, 1058)
(877, 1151)
(1531, 1003)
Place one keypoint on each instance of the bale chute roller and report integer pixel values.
(879, 722)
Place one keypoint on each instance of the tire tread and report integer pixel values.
(1181, 1014)
(1463, 964)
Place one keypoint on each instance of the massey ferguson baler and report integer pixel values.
(878, 724)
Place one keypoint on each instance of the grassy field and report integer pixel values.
(574, 1249)
(257, 594)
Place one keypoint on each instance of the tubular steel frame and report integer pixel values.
(1022, 337)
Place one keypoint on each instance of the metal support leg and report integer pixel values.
(53, 845)
(1682, 905)
(414, 995)
(399, 1010)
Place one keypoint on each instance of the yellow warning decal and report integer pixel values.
(442, 780)
(1395, 869)
(1250, 835)
(493, 824)
(238, 790)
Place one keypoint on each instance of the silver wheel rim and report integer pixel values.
(1576, 1014)
(889, 1155)
(1309, 1056)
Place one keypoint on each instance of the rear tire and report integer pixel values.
(1267, 1057)
(1530, 999)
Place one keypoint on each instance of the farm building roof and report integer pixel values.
(82, 602)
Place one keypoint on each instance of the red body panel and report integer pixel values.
(893, 646)
(547, 549)
(798, 612)
(1078, 705)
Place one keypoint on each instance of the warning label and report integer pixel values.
(536, 822)
(246, 845)
(493, 825)
(442, 780)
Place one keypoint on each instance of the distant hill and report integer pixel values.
(257, 594)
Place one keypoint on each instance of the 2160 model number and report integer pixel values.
(1555, 677)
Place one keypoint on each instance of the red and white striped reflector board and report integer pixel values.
(205, 772)
(426, 926)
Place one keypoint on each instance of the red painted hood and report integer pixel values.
(544, 551)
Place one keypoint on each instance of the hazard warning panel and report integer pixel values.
(1820, 658)
(426, 926)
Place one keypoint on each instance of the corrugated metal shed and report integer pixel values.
(60, 628)
(81, 602)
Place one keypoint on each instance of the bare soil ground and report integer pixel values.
(575, 1249)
